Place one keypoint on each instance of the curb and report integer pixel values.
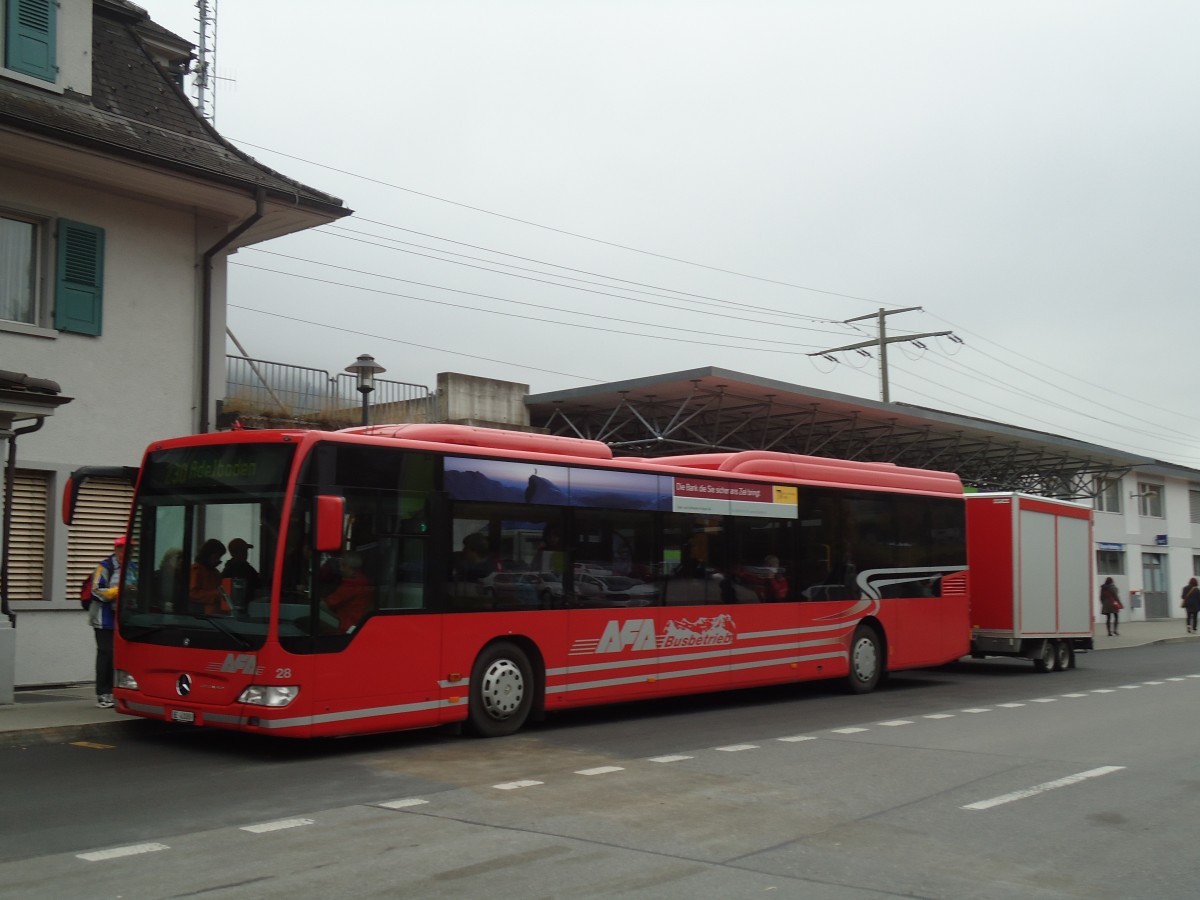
(61, 734)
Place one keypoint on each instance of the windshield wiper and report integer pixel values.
(224, 629)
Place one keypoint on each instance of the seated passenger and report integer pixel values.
(205, 595)
(354, 597)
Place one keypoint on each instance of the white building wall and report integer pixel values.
(1139, 534)
(135, 383)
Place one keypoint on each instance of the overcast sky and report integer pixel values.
(729, 181)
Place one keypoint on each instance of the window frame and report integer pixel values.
(39, 249)
(1108, 495)
(1151, 502)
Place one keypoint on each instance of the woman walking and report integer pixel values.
(1110, 605)
(1191, 603)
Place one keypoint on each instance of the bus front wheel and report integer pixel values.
(501, 691)
(866, 660)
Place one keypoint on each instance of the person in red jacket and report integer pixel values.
(354, 597)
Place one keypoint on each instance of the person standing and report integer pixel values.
(106, 583)
(1110, 605)
(1191, 603)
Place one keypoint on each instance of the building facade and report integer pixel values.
(1147, 533)
(118, 207)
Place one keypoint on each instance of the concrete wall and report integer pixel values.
(468, 399)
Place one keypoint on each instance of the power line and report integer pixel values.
(562, 231)
(653, 337)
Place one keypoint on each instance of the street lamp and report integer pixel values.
(364, 368)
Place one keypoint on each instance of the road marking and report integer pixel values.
(1042, 788)
(670, 759)
(736, 748)
(91, 746)
(896, 722)
(516, 785)
(848, 730)
(1044, 700)
(940, 716)
(1010, 705)
(1130, 687)
(402, 804)
(600, 770)
(1176, 679)
(1151, 682)
(977, 709)
(1104, 691)
(1076, 695)
(795, 739)
(118, 852)
(264, 827)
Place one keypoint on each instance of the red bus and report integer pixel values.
(406, 576)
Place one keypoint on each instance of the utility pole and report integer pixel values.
(882, 342)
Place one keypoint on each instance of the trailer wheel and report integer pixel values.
(1044, 661)
(866, 660)
(1062, 656)
(502, 690)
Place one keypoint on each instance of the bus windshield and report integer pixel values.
(207, 521)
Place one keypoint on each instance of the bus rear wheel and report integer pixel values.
(502, 691)
(866, 660)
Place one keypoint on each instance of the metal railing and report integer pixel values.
(279, 392)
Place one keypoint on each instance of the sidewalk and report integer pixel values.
(67, 714)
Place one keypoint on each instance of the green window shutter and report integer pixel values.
(30, 38)
(79, 281)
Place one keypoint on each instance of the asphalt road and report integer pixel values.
(976, 780)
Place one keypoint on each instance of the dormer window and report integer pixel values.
(29, 37)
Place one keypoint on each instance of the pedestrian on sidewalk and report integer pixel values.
(1191, 603)
(106, 582)
(1110, 605)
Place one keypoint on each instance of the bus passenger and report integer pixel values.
(354, 597)
(474, 562)
(205, 596)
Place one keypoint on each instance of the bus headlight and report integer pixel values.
(269, 694)
(123, 679)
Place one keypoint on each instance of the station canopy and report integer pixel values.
(716, 410)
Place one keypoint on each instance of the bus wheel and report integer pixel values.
(866, 660)
(1044, 661)
(1062, 656)
(501, 691)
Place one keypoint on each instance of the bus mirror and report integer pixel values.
(330, 515)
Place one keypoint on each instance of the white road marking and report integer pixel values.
(896, 722)
(277, 826)
(1176, 679)
(977, 709)
(1151, 682)
(1042, 788)
(402, 804)
(1074, 695)
(516, 785)
(1044, 700)
(600, 770)
(848, 730)
(118, 852)
(670, 759)
(735, 748)
(795, 739)
(1010, 705)
(940, 716)
(1106, 690)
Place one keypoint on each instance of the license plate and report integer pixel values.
(183, 715)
